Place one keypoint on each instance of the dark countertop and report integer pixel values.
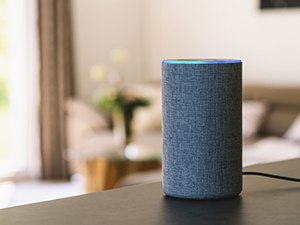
(263, 201)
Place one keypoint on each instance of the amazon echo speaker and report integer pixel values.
(202, 128)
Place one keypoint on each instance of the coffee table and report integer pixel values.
(263, 201)
(103, 173)
(102, 170)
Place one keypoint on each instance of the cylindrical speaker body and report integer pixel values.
(202, 128)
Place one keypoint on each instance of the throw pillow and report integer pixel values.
(293, 133)
(148, 119)
(254, 113)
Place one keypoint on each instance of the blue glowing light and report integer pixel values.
(201, 61)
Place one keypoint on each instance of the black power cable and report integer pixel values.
(272, 176)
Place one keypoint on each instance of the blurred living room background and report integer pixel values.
(71, 69)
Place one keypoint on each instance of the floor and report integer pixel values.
(26, 192)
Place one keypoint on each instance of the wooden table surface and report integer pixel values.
(263, 201)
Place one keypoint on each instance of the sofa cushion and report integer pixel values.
(254, 113)
(293, 133)
(270, 149)
(149, 118)
(279, 119)
(284, 106)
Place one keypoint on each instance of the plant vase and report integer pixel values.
(122, 126)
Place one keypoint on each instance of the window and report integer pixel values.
(14, 85)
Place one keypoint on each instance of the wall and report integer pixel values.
(98, 27)
(266, 41)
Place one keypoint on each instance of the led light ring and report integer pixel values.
(201, 61)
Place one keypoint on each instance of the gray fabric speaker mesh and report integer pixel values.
(202, 130)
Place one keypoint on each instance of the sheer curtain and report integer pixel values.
(54, 36)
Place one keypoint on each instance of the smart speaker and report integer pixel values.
(202, 128)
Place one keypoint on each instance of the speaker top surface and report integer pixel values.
(201, 61)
